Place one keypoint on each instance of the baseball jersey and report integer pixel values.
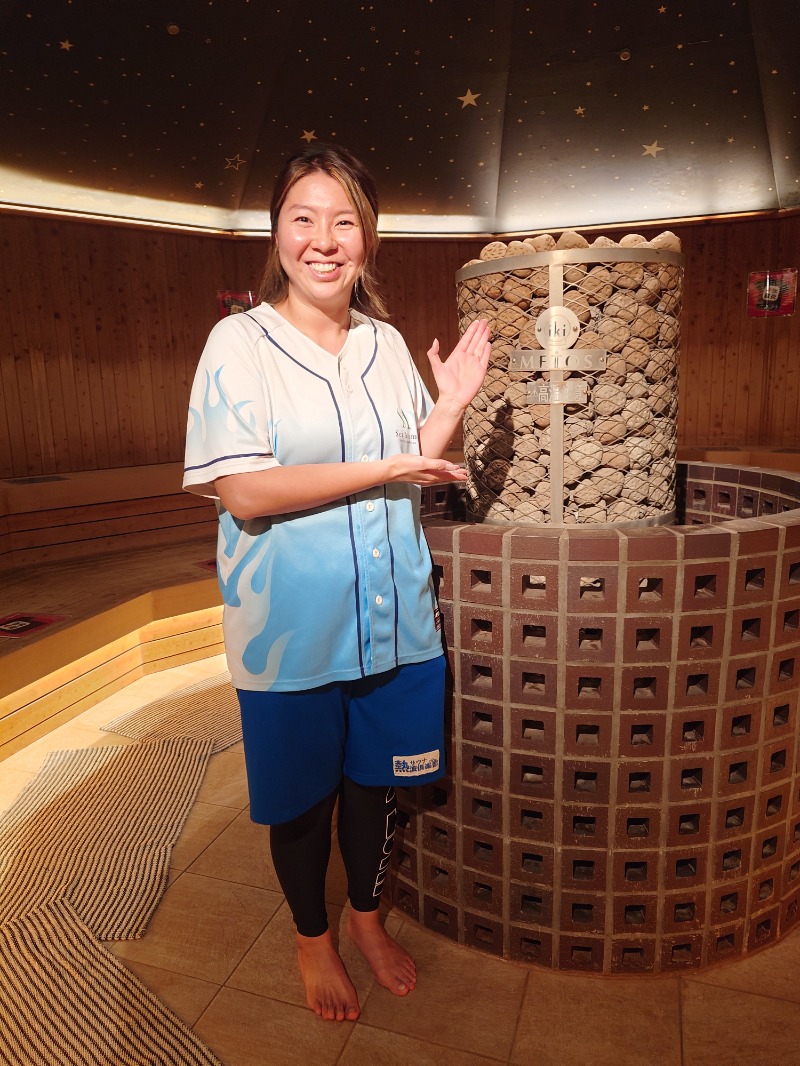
(342, 590)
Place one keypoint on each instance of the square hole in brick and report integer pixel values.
(639, 781)
(439, 877)
(534, 586)
(480, 580)
(589, 688)
(769, 847)
(651, 588)
(481, 766)
(532, 775)
(438, 575)
(751, 629)
(796, 833)
(684, 912)
(734, 818)
(484, 934)
(533, 730)
(481, 893)
(531, 819)
(532, 863)
(481, 629)
(402, 819)
(780, 715)
(763, 929)
(777, 761)
(635, 914)
(532, 907)
(648, 639)
(747, 504)
(644, 688)
(580, 956)
(481, 675)
(754, 579)
(737, 773)
(590, 639)
(585, 781)
(698, 497)
(791, 621)
(786, 670)
(584, 826)
(637, 827)
(732, 859)
(632, 959)
(692, 777)
(532, 682)
(482, 809)
(635, 871)
(583, 913)
(794, 573)
(642, 733)
(482, 722)
(724, 498)
(767, 507)
(591, 588)
(587, 734)
(686, 867)
(725, 943)
(583, 870)
(705, 586)
(701, 636)
(746, 677)
(403, 859)
(530, 947)
(438, 796)
(693, 732)
(440, 917)
(766, 888)
(439, 835)
(794, 871)
(482, 852)
(729, 903)
(697, 685)
(681, 953)
(534, 636)
(741, 724)
(688, 824)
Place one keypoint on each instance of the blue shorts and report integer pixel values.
(387, 729)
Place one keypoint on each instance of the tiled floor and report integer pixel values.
(219, 952)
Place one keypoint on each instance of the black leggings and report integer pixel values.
(301, 849)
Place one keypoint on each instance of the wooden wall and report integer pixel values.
(101, 327)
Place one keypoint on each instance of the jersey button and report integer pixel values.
(364, 458)
(370, 506)
(379, 600)
(376, 553)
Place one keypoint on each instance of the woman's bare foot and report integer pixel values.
(329, 991)
(392, 966)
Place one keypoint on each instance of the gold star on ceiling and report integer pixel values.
(234, 163)
(652, 149)
(198, 185)
(580, 111)
(469, 98)
(65, 45)
(662, 10)
(309, 136)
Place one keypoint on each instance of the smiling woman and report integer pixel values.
(311, 427)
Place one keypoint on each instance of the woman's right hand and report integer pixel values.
(419, 470)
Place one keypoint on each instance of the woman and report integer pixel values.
(311, 427)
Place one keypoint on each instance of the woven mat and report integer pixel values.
(96, 827)
(208, 710)
(67, 1001)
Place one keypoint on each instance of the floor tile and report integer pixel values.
(247, 1030)
(240, 853)
(724, 1027)
(368, 1046)
(609, 1021)
(202, 927)
(225, 781)
(185, 996)
(463, 999)
(771, 972)
(203, 825)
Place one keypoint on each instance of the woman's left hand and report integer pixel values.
(459, 378)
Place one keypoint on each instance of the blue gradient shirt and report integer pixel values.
(340, 591)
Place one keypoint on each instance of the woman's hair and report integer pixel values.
(359, 185)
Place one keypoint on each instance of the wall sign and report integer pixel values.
(771, 293)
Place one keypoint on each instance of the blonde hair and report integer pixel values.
(359, 185)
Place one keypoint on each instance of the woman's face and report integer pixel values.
(320, 243)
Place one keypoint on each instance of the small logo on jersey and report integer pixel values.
(405, 433)
(414, 765)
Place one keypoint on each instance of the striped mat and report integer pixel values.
(67, 1001)
(96, 827)
(208, 710)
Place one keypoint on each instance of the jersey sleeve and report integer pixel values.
(230, 417)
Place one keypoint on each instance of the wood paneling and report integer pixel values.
(101, 327)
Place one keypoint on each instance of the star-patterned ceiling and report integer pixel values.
(475, 116)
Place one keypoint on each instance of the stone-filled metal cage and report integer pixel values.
(576, 420)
